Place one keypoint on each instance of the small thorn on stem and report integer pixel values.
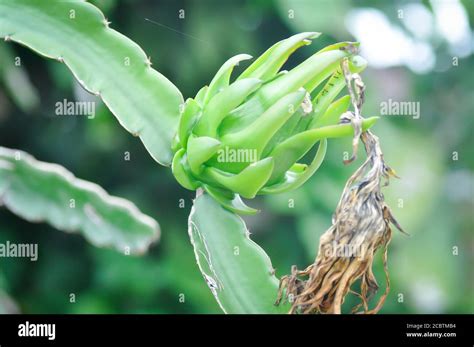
(148, 61)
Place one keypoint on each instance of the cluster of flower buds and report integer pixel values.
(246, 138)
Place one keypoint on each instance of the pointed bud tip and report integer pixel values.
(359, 62)
(245, 56)
(312, 34)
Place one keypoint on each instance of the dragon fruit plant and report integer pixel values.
(238, 137)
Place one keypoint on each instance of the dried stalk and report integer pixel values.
(360, 226)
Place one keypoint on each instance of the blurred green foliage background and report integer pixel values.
(418, 51)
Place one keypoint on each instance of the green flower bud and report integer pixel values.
(245, 138)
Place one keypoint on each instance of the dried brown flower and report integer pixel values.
(360, 226)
